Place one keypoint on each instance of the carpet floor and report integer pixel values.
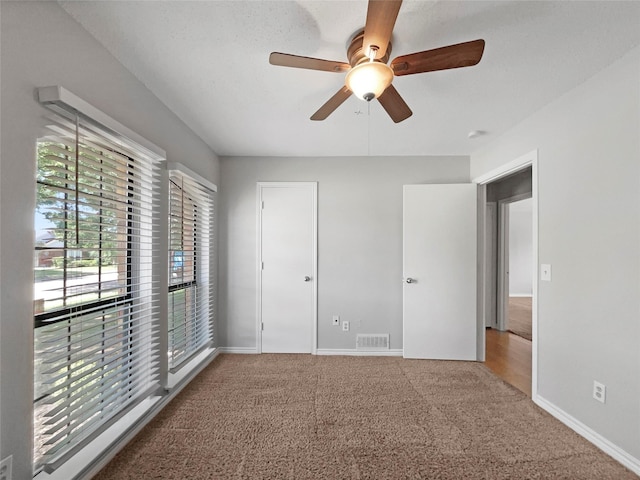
(314, 417)
(519, 321)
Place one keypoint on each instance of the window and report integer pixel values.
(95, 310)
(190, 287)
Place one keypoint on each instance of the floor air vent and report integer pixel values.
(372, 341)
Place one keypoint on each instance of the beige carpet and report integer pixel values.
(519, 321)
(312, 417)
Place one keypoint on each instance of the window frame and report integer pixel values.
(128, 369)
(201, 214)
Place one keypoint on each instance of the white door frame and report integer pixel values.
(260, 186)
(489, 284)
(528, 159)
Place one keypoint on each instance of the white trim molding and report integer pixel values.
(197, 177)
(64, 102)
(359, 353)
(528, 159)
(94, 456)
(508, 168)
(239, 350)
(193, 367)
(594, 437)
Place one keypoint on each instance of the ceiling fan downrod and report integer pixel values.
(373, 51)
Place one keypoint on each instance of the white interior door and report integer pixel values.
(439, 265)
(287, 267)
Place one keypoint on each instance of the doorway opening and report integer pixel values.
(508, 235)
(517, 252)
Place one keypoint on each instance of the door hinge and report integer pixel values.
(262, 326)
(263, 205)
(262, 266)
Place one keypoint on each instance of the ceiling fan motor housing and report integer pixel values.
(356, 53)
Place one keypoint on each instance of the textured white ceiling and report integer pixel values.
(208, 62)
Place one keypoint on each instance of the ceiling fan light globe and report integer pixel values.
(368, 80)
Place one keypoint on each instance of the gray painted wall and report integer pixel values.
(42, 45)
(589, 231)
(359, 239)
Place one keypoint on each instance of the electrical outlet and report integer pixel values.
(345, 326)
(599, 392)
(336, 320)
(5, 468)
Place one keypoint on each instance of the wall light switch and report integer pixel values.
(336, 320)
(545, 272)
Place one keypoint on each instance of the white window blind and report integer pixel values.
(95, 298)
(190, 282)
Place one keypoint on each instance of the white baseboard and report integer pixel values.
(594, 437)
(322, 351)
(240, 350)
(359, 353)
(527, 295)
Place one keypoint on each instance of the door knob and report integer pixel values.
(409, 280)
(307, 278)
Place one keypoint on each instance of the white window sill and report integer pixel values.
(92, 458)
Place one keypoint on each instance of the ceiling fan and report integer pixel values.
(368, 75)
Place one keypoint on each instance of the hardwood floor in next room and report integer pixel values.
(509, 357)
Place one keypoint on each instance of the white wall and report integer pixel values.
(589, 231)
(359, 239)
(42, 45)
(520, 248)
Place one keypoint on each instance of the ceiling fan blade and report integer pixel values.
(296, 61)
(395, 106)
(381, 17)
(334, 102)
(454, 56)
